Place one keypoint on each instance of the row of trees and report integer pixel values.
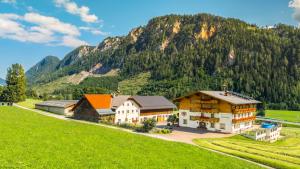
(15, 89)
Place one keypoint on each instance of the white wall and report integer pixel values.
(225, 119)
(129, 110)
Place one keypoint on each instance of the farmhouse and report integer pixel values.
(126, 110)
(156, 107)
(95, 107)
(63, 107)
(123, 109)
(222, 111)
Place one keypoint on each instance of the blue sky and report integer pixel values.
(31, 30)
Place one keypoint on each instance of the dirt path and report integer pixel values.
(162, 137)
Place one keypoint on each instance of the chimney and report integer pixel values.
(225, 90)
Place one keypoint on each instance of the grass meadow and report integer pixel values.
(292, 116)
(284, 153)
(30, 140)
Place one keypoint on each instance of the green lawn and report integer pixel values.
(292, 116)
(30, 140)
(281, 154)
(29, 103)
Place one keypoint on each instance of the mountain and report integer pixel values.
(2, 82)
(196, 52)
(42, 68)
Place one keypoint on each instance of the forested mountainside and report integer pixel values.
(41, 69)
(199, 52)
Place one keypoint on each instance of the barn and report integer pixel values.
(95, 107)
(63, 107)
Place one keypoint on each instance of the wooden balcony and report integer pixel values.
(193, 109)
(205, 119)
(246, 119)
(247, 110)
(209, 101)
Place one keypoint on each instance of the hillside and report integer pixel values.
(2, 82)
(193, 52)
(42, 68)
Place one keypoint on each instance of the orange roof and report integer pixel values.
(99, 101)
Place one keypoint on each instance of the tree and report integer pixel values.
(15, 90)
(173, 119)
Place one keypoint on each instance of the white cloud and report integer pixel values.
(8, 1)
(73, 8)
(94, 31)
(295, 4)
(52, 24)
(72, 41)
(39, 29)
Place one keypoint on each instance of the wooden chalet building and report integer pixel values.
(221, 111)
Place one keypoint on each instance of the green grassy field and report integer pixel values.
(29, 103)
(30, 140)
(284, 153)
(292, 116)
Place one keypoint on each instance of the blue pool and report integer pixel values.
(267, 125)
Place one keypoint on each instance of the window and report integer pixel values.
(212, 115)
(222, 126)
(123, 111)
(212, 125)
(184, 121)
(132, 111)
(202, 114)
(127, 111)
(128, 104)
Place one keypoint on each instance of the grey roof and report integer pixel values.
(58, 103)
(153, 102)
(233, 98)
(105, 111)
(119, 100)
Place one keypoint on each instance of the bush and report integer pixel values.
(148, 125)
(129, 126)
(173, 119)
(161, 131)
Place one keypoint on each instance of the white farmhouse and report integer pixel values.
(126, 110)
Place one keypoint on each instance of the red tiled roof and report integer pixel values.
(99, 101)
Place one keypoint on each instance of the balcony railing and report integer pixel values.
(246, 119)
(204, 110)
(247, 110)
(209, 101)
(205, 119)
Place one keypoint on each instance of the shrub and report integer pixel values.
(161, 131)
(148, 125)
(173, 119)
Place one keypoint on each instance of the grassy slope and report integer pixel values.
(133, 85)
(29, 140)
(52, 86)
(292, 116)
(281, 154)
(29, 103)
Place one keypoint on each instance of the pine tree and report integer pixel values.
(15, 90)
